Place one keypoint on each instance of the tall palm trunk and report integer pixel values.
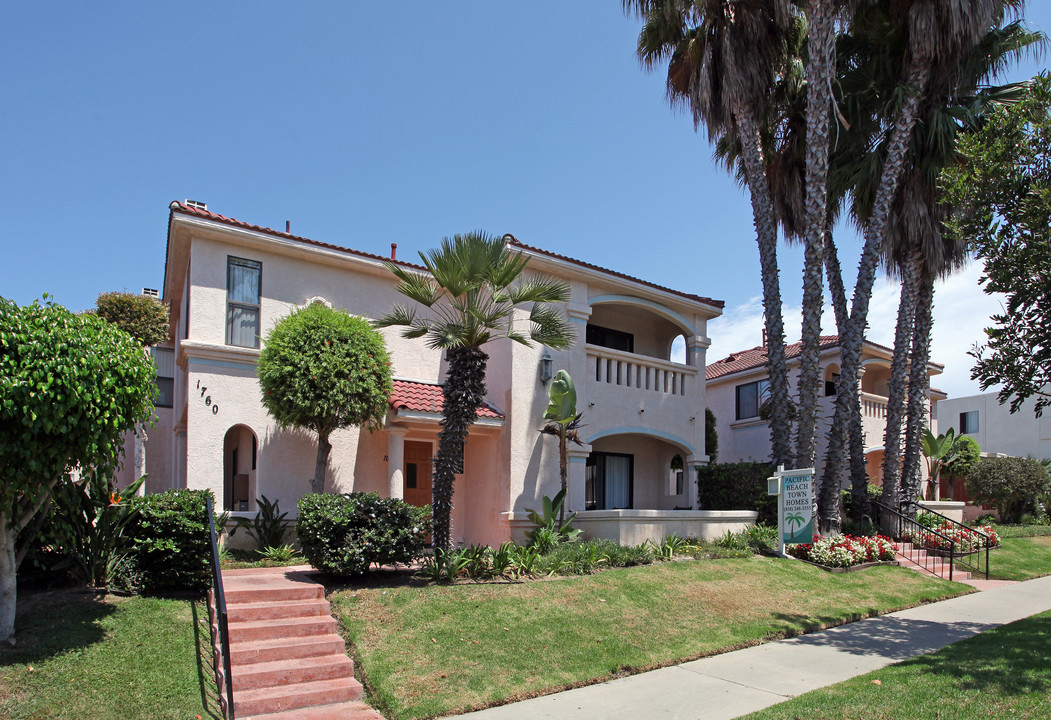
(766, 237)
(899, 371)
(919, 385)
(820, 65)
(463, 393)
(855, 432)
(851, 340)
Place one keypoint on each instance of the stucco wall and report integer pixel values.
(1000, 431)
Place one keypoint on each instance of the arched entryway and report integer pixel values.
(240, 451)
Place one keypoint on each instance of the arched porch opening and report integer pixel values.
(637, 471)
(240, 452)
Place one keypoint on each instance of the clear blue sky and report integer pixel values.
(362, 124)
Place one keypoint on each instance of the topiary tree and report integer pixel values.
(1010, 484)
(323, 369)
(145, 318)
(70, 387)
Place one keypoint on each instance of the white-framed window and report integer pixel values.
(164, 359)
(243, 291)
(969, 422)
(750, 398)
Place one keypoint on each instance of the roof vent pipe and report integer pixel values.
(288, 227)
(394, 251)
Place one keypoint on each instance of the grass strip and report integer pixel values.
(1001, 673)
(1021, 558)
(433, 650)
(107, 659)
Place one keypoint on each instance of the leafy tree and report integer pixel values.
(143, 317)
(323, 369)
(1003, 192)
(474, 286)
(1010, 484)
(967, 455)
(70, 387)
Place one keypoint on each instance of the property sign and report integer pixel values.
(795, 505)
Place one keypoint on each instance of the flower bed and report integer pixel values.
(844, 550)
(959, 539)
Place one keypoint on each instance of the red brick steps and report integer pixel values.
(287, 660)
(921, 561)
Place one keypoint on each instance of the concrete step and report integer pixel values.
(251, 611)
(283, 628)
(245, 589)
(291, 671)
(271, 649)
(933, 566)
(293, 697)
(338, 711)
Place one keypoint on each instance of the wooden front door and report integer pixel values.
(418, 473)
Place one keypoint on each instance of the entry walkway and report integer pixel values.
(737, 683)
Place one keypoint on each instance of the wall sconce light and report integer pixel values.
(545, 368)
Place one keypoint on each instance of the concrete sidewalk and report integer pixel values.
(737, 683)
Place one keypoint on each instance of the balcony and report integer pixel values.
(873, 406)
(638, 372)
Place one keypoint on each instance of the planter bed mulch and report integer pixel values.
(851, 568)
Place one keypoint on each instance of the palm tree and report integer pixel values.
(934, 34)
(915, 246)
(473, 289)
(722, 58)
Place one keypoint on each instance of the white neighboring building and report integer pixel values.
(995, 428)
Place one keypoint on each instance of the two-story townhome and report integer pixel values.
(227, 282)
(738, 385)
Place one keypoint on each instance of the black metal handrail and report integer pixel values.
(221, 621)
(897, 524)
(986, 540)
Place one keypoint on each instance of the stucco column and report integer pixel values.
(692, 491)
(576, 359)
(396, 462)
(578, 456)
(696, 346)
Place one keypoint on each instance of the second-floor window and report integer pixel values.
(165, 361)
(750, 398)
(243, 281)
(969, 422)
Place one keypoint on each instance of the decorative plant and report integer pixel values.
(938, 451)
(91, 518)
(550, 524)
(564, 421)
(267, 528)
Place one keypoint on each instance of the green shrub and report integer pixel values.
(172, 546)
(1010, 484)
(737, 486)
(343, 535)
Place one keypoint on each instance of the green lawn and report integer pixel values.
(116, 658)
(429, 650)
(1003, 673)
(1021, 558)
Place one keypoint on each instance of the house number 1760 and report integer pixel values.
(207, 398)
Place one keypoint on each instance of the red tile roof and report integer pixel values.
(427, 397)
(208, 214)
(754, 357)
(697, 298)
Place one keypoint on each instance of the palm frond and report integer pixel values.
(539, 289)
(550, 327)
(398, 315)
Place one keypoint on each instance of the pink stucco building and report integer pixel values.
(737, 388)
(228, 281)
